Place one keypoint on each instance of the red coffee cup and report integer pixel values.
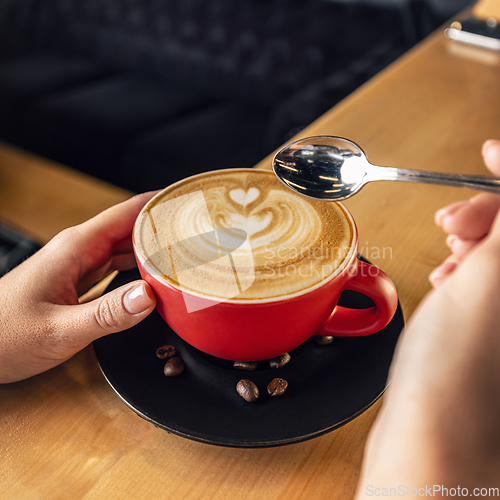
(252, 330)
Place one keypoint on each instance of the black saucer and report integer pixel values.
(328, 385)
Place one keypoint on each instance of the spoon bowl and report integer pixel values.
(334, 169)
(324, 167)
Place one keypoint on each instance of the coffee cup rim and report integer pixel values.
(154, 274)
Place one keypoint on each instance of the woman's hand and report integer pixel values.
(438, 427)
(42, 323)
(468, 222)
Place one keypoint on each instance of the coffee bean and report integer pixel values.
(166, 352)
(324, 339)
(280, 361)
(245, 365)
(277, 387)
(174, 367)
(247, 390)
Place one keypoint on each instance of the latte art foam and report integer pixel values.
(242, 235)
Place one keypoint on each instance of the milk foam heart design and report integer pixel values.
(244, 198)
(250, 224)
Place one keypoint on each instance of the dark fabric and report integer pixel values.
(32, 75)
(249, 49)
(25, 79)
(89, 126)
(221, 136)
(168, 88)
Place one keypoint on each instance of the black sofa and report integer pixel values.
(143, 93)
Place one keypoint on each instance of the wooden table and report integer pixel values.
(65, 435)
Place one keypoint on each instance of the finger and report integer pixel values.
(122, 262)
(448, 210)
(471, 220)
(89, 245)
(116, 222)
(459, 247)
(491, 156)
(115, 311)
(494, 235)
(443, 271)
(123, 246)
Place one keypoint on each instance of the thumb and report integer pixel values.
(115, 311)
(491, 155)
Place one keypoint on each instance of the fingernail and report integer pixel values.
(442, 213)
(488, 144)
(441, 271)
(137, 300)
(450, 240)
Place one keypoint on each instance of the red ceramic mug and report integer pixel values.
(257, 329)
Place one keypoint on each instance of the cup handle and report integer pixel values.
(374, 283)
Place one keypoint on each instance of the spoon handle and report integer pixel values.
(477, 182)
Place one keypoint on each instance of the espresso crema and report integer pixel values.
(240, 234)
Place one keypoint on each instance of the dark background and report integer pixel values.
(142, 93)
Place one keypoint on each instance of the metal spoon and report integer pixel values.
(333, 169)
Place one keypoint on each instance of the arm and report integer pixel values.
(441, 415)
(440, 421)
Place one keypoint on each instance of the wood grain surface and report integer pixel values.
(65, 435)
(42, 198)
